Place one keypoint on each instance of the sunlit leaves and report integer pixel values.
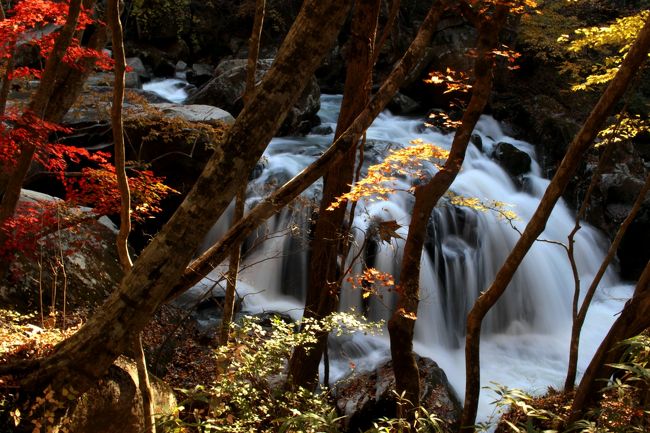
(502, 209)
(452, 80)
(625, 128)
(509, 54)
(612, 41)
(517, 7)
(620, 34)
(245, 396)
(440, 118)
(379, 183)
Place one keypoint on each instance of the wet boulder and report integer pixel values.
(402, 104)
(516, 162)
(227, 88)
(364, 397)
(199, 74)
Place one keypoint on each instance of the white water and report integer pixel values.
(526, 337)
(172, 89)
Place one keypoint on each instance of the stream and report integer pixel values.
(525, 337)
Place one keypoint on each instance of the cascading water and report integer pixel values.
(171, 89)
(525, 337)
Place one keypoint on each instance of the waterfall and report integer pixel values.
(525, 337)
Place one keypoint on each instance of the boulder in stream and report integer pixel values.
(226, 89)
(364, 397)
(516, 162)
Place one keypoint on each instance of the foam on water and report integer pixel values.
(172, 89)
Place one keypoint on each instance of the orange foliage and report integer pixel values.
(379, 182)
(370, 279)
(453, 80)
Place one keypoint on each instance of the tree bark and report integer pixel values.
(401, 324)
(328, 248)
(634, 319)
(579, 319)
(69, 79)
(113, 14)
(570, 250)
(216, 254)
(388, 29)
(6, 85)
(235, 255)
(83, 358)
(8, 67)
(635, 57)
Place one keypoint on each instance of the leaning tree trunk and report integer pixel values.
(633, 60)
(240, 199)
(634, 319)
(401, 324)
(328, 249)
(83, 358)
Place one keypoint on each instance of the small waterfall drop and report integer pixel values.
(526, 336)
(172, 89)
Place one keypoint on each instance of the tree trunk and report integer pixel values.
(35, 112)
(401, 324)
(328, 248)
(5, 85)
(572, 158)
(634, 319)
(113, 14)
(235, 255)
(144, 385)
(570, 250)
(70, 79)
(216, 254)
(68, 82)
(83, 358)
(579, 319)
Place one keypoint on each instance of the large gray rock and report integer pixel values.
(199, 74)
(365, 397)
(115, 404)
(195, 113)
(613, 199)
(85, 253)
(227, 88)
